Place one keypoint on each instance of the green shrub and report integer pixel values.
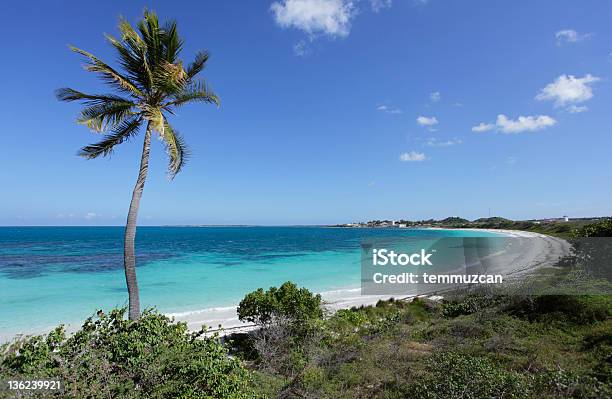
(469, 304)
(290, 318)
(289, 302)
(599, 340)
(313, 378)
(599, 229)
(113, 357)
(452, 375)
(580, 309)
(353, 317)
(562, 384)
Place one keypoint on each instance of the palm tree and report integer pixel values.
(150, 84)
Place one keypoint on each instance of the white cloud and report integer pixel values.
(524, 123)
(433, 142)
(519, 125)
(389, 110)
(427, 121)
(412, 156)
(435, 97)
(567, 89)
(378, 5)
(330, 17)
(570, 36)
(576, 109)
(483, 127)
(301, 48)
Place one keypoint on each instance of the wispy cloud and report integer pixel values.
(427, 121)
(434, 142)
(412, 156)
(511, 160)
(329, 17)
(571, 36)
(435, 96)
(301, 48)
(378, 5)
(483, 127)
(389, 110)
(576, 109)
(568, 89)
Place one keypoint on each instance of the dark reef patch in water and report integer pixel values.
(35, 265)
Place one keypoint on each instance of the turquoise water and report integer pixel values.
(53, 275)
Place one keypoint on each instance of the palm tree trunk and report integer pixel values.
(129, 260)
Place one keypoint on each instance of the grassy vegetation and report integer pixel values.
(470, 346)
(111, 357)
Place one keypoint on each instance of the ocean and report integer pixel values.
(54, 275)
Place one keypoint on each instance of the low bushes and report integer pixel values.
(298, 305)
(473, 345)
(289, 319)
(581, 309)
(453, 375)
(113, 357)
(599, 229)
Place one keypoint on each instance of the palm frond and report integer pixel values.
(105, 115)
(108, 74)
(197, 91)
(68, 94)
(140, 50)
(132, 62)
(151, 36)
(171, 41)
(123, 132)
(198, 64)
(176, 149)
(131, 37)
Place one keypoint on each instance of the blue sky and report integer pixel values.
(332, 111)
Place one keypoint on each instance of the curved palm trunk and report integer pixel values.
(129, 260)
